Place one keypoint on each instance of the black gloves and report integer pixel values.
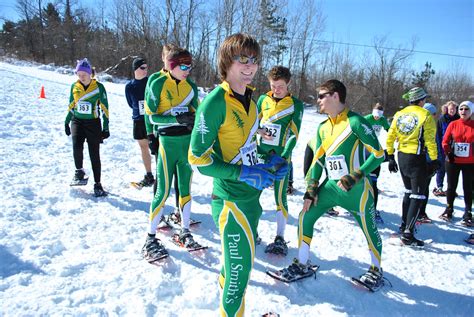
(186, 118)
(432, 167)
(392, 165)
(67, 129)
(349, 180)
(105, 134)
(450, 156)
(153, 144)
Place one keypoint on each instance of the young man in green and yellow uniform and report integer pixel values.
(340, 144)
(280, 115)
(223, 146)
(170, 104)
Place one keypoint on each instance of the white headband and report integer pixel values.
(377, 113)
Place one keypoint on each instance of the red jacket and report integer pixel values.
(459, 139)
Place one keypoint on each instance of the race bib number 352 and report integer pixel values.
(274, 131)
(336, 166)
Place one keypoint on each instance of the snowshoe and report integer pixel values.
(99, 191)
(80, 178)
(270, 314)
(147, 181)
(372, 280)
(447, 215)
(173, 220)
(296, 271)
(423, 219)
(290, 190)
(279, 246)
(153, 250)
(333, 212)
(410, 240)
(185, 239)
(467, 219)
(439, 192)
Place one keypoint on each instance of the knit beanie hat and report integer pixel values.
(430, 107)
(469, 104)
(415, 94)
(180, 57)
(137, 62)
(84, 65)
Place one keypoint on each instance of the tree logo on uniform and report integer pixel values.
(367, 130)
(407, 123)
(201, 127)
(169, 96)
(240, 122)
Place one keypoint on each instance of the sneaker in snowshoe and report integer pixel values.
(333, 212)
(423, 219)
(290, 190)
(175, 217)
(439, 192)
(153, 250)
(409, 239)
(80, 178)
(279, 246)
(467, 219)
(296, 271)
(99, 191)
(185, 239)
(447, 215)
(372, 280)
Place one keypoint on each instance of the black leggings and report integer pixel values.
(92, 131)
(414, 177)
(374, 175)
(453, 170)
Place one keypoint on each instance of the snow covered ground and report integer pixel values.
(65, 253)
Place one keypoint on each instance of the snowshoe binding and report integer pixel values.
(153, 250)
(279, 246)
(99, 191)
(467, 219)
(372, 280)
(185, 239)
(296, 271)
(447, 215)
(80, 178)
(147, 181)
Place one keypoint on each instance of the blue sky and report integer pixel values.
(440, 26)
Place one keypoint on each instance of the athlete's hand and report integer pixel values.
(186, 118)
(264, 135)
(153, 144)
(392, 165)
(256, 176)
(311, 195)
(348, 181)
(279, 166)
(450, 156)
(67, 129)
(105, 134)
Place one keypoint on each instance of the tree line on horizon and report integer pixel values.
(289, 35)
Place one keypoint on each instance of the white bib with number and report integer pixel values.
(461, 149)
(84, 107)
(273, 130)
(336, 166)
(141, 107)
(179, 110)
(249, 154)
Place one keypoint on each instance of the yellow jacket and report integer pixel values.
(414, 128)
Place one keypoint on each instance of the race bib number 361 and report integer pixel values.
(249, 154)
(336, 166)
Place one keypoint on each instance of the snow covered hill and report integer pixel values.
(65, 253)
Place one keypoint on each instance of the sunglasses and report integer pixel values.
(143, 67)
(185, 68)
(242, 59)
(324, 95)
(464, 109)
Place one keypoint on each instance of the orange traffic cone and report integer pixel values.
(42, 94)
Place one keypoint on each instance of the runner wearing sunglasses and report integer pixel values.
(170, 104)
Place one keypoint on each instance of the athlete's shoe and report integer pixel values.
(186, 239)
(153, 249)
(175, 217)
(423, 219)
(99, 191)
(290, 190)
(467, 219)
(147, 181)
(409, 239)
(278, 246)
(373, 278)
(295, 270)
(439, 192)
(333, 212)
(79, 175)
(447, 215)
